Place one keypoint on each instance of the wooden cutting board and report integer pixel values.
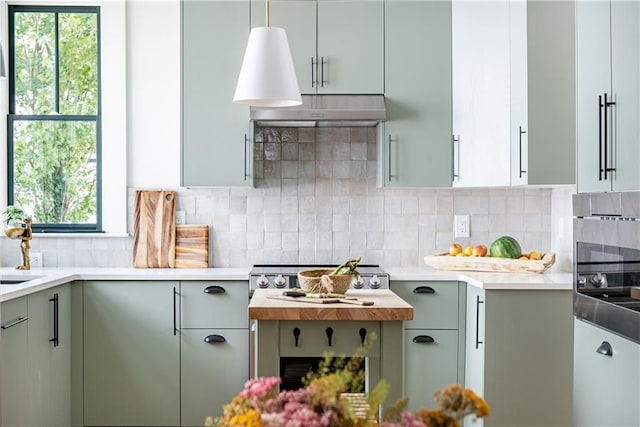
(192, 246)
(154, 229)
(635, 293)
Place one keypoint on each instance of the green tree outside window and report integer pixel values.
(54, 116)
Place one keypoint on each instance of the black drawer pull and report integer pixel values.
(296, 335)
(214, 289)
(14, 322)
(214, 339)
(424, 290)
(605, 349)
(329, 332)
(363, 335)
(423, 339)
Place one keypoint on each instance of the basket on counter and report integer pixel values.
(320, 282)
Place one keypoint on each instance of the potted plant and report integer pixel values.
(14, 225)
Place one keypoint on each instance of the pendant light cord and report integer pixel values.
(268, 6)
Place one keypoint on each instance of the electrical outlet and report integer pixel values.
(461, 226)
(180, 217)
(35, 259)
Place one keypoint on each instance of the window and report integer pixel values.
(54, 122)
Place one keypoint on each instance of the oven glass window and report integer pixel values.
(606, 271)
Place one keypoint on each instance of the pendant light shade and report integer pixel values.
(267, 77)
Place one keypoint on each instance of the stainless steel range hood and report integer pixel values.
(324, 111)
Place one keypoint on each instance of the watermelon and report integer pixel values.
(505, 247)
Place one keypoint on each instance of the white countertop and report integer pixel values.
(43, 278)
(488, 280)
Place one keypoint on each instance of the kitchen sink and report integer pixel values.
(17, 281)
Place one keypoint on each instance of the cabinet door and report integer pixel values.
(218, 304)
(213, 372)
(298, 18)
(351, 46)
(131, 354)
(431, 363)
(49, 358)
(13, 364)
(593, 59)
(605, 390)
(417, 143)
(216, 138)
(474, 342)
(481, 97)
(625, 81)
(518, 77)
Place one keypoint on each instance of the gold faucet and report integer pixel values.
(23, 231)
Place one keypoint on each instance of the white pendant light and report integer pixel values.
(267, 77)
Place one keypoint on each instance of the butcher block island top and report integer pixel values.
(386, 306)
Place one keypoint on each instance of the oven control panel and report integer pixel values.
(282, 281)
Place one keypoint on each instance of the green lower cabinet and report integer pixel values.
(431, 363)
(131, 353)
(14, 399)
(49, 357)
(214, 365)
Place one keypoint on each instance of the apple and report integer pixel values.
(479, 250)
(455, 249)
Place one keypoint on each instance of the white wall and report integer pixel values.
(153, 59)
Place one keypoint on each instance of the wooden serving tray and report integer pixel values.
(443, 261)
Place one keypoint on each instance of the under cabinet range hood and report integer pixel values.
(324, 111)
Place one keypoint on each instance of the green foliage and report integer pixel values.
(55, 169)
(13, 214)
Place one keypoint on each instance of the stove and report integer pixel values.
(284, 276)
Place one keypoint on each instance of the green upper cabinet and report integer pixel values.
(608, 58)
(513, 93)
(216, 133)
(542, 72)
(416, 147)
(336, 45)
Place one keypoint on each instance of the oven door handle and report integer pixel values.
(605, 349)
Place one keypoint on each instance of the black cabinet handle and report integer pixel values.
(363, 335)
(607, 104)
(296, 335)
(424, 290)
(389, 157)
(322, 82)
(214, 339)
(478, 302)
(13, 322)
(520, 157)
(423, 339)
(600, 106)
(175, 313)
(313, 80)
(329, 332)
(56, 336)
(214, 289)
(605, 349)
(246, 140)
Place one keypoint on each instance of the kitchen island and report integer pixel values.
(284, 330)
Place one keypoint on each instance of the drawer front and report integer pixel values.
(13, 309)
(435, 304)
(214, 304)
(212, 372)
(431, 363)
(313, 339)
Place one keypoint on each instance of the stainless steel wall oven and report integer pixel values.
(606, 229)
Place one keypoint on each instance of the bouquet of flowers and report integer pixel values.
(324, 402)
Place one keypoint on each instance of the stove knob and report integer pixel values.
(582, 280)
(374, 282)
(280, 281)
(357, 282)
(262, 281)
(599, 280)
